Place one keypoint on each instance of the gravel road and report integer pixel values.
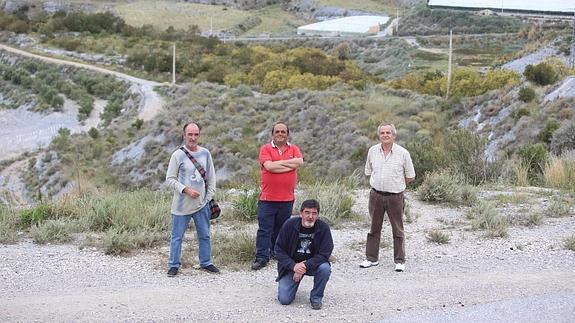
(527, 276)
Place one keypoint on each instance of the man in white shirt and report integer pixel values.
(390, 169)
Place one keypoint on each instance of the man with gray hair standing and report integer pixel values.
(390, 169)
(192, 178)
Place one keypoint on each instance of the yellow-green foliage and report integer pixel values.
(559, 67)
(464, 82)
(297, 68)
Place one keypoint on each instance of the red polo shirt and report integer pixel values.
(278, 187)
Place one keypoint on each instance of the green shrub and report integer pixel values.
(437, 236)
(245, 205)
(534, 157)
(526, 94)
(541, 74)
(558, 207)
(9, 224)
(335, 199)
(117, 242)
(148, 239)
(520, 112)
(234, 248)
(465, 156)
(58, 230)
(547, 133)
(564, 138)
(535, 219)
(468, 195)
(35, 215)
(569, 242)
(93, 133)
(484, 216)
(439, 187)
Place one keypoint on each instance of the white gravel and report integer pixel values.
(470, 279)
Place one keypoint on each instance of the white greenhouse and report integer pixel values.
(564, 7)
(348, 26)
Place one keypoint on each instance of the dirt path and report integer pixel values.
(413, 42)
(529, 269)
(152, 102)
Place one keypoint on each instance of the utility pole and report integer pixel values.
(572, 59)
(397, 22)
(174, 64)
(211, 27)
(449, 63)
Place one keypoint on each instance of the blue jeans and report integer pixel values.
(271, 217)
(179, 226)
(287, 287)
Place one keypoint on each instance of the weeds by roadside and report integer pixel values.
(437, 236)
(569, 242)
(558, 207)
(245, 205)
(484, 216)
(447, 188)
(335, 198)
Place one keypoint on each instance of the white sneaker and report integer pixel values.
(399, 267)
(367, 264)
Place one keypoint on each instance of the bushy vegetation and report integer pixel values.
(245, 205)
(444, 187)
(51, 83)
(335, 197)
(127, 220)
(465, 82)
(437, 236)
(569, 242)
(559, 172)
(236, 248)
(9, 224)
(534, 157)
(460, 151)
(199, 58)
(484, 216)
(559, 207)
(541, 74)
(563, 139)
(526, 94)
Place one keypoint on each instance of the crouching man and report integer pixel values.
(303, 247)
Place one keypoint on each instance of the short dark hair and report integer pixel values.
(189, 123)
(309, 204)
(275, 124)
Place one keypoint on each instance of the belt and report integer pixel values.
(384, 193)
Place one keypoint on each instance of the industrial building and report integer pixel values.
(348, 26)
(554, 7)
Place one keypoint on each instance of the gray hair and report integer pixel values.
(393, 131)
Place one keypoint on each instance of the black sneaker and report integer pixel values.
(259, 264)
(316, 306)
(211, 269)
(173, 271)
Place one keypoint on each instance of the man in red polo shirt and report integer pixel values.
(279, 161)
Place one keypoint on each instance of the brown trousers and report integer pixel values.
(378, 206)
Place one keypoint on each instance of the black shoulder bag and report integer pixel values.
(215, 209)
